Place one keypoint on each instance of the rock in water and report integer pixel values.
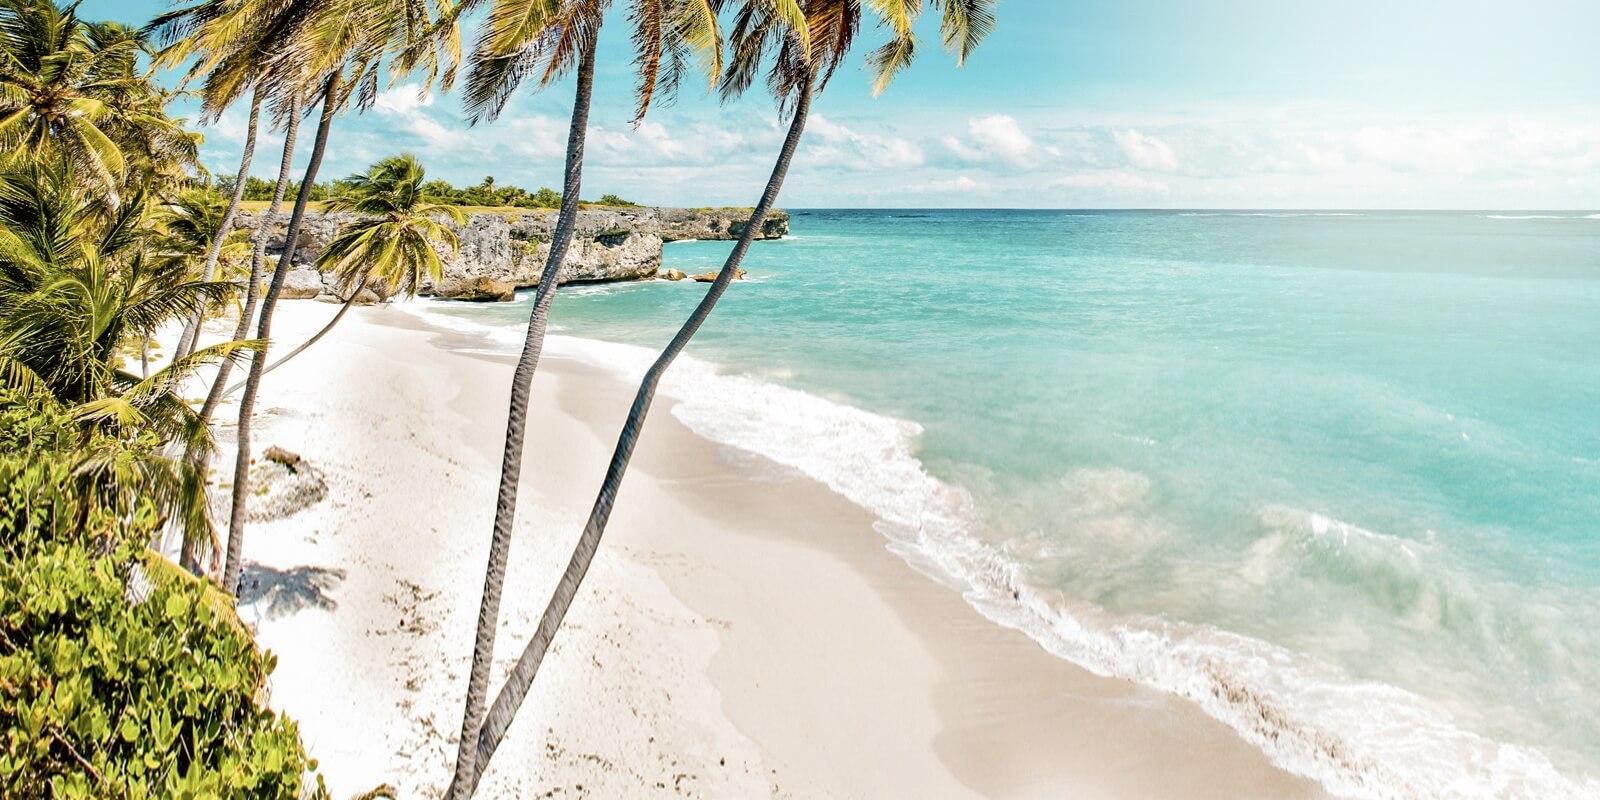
(674, 275)
(707, 277)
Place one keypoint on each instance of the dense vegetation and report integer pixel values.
(487, 193)
(120, 675)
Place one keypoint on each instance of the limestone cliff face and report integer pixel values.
(502, 251)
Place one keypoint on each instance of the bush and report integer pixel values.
(120, 675)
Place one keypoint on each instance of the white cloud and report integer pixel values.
(403, 99)
(1114, 181)
(997, 137)
(960, 183)
(1146, 152)
(833, 145)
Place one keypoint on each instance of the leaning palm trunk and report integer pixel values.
(343, 307)
(191, 331)
(467, 771)
(516, 688)
(258, 263)
(190, 558)
(258, 361)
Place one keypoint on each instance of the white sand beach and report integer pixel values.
(743, 633)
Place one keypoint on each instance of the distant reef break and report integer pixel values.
(502, 251)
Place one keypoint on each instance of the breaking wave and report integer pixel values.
(1357, 738)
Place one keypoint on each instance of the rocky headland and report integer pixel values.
(502, 251)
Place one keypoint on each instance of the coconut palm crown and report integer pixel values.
(396, 242)
(72, 89)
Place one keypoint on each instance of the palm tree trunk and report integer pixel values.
(191, 331)
(516, 688)
(258, 261)
(467, 771)
(190, 557)
(349, 301)
(258, 361)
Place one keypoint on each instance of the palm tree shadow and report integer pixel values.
(281, 592)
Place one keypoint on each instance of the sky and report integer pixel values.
(1074, 104)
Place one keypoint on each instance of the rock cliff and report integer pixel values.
(504, 250)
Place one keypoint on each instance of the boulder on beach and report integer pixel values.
(707, 277)
(281, 483)
(674, 275)
(301, 283)
(481, 288)
(365, 297)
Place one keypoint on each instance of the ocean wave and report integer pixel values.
(1358, 739)
(1277, 214)
(1526, 216)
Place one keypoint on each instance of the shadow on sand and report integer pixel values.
(279, 593)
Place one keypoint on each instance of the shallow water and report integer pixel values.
(1335, 477)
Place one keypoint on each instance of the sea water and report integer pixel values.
(1333, 476)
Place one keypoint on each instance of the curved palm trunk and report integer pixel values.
(258, 256)
(511, 695)
(258, 361)
(467, 771)
(349, 301)
(191, 331)
(258, 262)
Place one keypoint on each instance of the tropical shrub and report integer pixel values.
(120, 675)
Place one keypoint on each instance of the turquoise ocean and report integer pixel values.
(1333, 476)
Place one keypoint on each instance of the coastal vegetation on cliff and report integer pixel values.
(122, 673)
(486, 194)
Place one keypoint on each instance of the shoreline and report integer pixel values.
(1009, 719)
(796, 643)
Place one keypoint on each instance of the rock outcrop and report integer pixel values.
(679, 224)
(281, 483)
(707, 277)
(501, 251)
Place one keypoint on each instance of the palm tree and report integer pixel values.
(258, 255)
(76, 286)
(241, 466)
(341, 45)
(547, 38)
(191, 330)
(395, 246)
(805, 60)
(72, 89)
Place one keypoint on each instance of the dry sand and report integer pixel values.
(743, 632)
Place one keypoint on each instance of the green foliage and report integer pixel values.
(73, 90)
(78, 285)
(486, 193)
(396, 242)
(120, 676)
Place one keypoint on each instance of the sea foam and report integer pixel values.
(1358, 739)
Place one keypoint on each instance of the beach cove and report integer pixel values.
(726, 645)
